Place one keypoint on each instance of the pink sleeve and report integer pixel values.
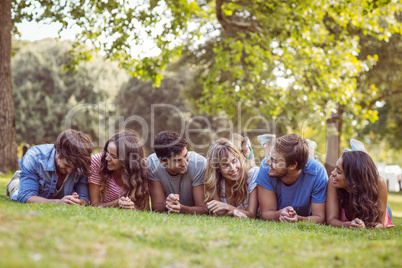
(95, 166)
(388, 222)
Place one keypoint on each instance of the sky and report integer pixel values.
(33, 31)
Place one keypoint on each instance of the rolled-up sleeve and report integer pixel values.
(81, 188)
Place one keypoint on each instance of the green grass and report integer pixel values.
(42, 235)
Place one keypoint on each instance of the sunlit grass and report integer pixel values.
(42, 235)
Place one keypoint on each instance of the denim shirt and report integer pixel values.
(39, 177)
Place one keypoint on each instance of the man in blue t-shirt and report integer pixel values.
(291, 186)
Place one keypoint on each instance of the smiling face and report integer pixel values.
(177, 164)
(113, 163)
(230, 167)
(337, 177)
(277, 164)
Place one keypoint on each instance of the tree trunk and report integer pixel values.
(334, 131)
(8, 143)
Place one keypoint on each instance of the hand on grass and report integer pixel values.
(71, 199)
(288, 214)
(379, 226)
(126, 203)
(357, 223)
(238, 214)
(172, 203)
(217, 206)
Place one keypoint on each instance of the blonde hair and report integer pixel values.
(219, 151)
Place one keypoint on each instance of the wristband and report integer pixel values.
(251, 153)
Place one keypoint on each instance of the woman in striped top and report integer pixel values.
(119, 176)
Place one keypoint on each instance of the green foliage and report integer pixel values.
(150, 110)
(43, 235)
(384, 83)
(252, 46)
(45, 94)
(128, 23)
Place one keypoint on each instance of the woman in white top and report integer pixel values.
(230, 188)
(119, 177)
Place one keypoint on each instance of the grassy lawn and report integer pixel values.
(41, 235)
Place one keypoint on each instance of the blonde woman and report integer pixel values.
(230, 188)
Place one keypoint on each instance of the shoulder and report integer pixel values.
(43, 154)
(263, 178)
(152, 160)
(40, 150)
(197, 162)
(154, 167)
(252, 175)
(313, 167)
(253, 172)
(96, 158)
(195, 157)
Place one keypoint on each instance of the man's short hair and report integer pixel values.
(76, 148)
(294, 149)
(168, 144)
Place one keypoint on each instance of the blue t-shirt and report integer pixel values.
(310, 187)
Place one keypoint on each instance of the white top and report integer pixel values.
(252, 176)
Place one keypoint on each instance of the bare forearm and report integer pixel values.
(314, 218)
(193, 210)
(38, 199)
(158, 207)
(248, 213)
(105, 205)
(338, 223)
(271, 215)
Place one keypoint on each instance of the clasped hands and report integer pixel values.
(357, 223)
(71, 199)
(288, 214)
(172, 203)
(126, 203)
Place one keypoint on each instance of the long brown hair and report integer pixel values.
(213, 178)
(362, 180)
(131, 155)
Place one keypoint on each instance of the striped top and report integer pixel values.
(113, 190)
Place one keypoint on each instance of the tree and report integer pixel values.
(307, 42)
(45, 93)
(8, 144)
(150, 110)
(123, 21)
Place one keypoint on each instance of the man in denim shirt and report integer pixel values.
(55, 173)
(291, 185)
